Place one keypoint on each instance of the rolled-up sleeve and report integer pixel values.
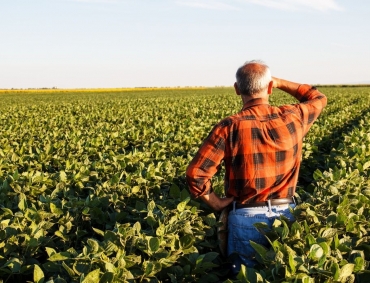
(205, 163)
(311, 106)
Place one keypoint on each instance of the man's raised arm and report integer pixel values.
(284, 85)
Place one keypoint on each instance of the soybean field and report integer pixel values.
(92, 189)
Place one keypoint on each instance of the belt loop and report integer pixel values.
(234, 202)
(269, 205)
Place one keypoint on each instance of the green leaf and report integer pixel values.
(187, 241)
(210, 219)
(335, 243)
(92, 277)
(210, 256)
(94, 245)
(99, 232)
(154, 244)
(61, 235)
(55, 210)
(317, 175)
(346, 270)
(58, 280)
(7, 211)
(82, 266)
(115, 179)
(151, 221)
(242, 275)
(108, 277)
(184, 195)
(261, 250)
(22, 204)
(38, 274)
(285, 231)
(151, 268)
(62, 176)
(329, 233)
(366, 165)
(86, 210)
(292, 264)
(310, 240)
(151, 206)
(60, 256)
(137, 227)
(296, 229)
(325, 248)
(50, 251)
(306, 227)
(70, 271)
(303, 278)
(135, 189)
(14, 265)
(160, 230)
(316, 252)
(140, 206)
(351, 225)
(359, 264)
(182, 205)
(335, 270)
(174, 191)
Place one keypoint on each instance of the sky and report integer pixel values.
(159, 43)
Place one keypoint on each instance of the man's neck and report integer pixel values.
(247, 98)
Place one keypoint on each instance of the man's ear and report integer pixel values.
(236, 89)
(270, 87)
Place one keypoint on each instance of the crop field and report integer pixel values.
(92, 189)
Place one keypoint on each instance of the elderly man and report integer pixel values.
(261, 149)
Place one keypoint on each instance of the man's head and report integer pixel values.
(253, 78)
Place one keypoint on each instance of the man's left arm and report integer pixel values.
(215, 202)
(311, 106)
(204, 165)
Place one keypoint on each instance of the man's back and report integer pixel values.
(260, 146)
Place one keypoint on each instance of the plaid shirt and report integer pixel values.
(261, 148)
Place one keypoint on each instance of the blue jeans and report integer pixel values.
(241, 231)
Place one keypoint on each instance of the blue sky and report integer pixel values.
(133, 43)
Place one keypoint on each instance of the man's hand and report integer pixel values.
(276, 82)
(215, 202)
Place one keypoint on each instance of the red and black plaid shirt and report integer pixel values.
(261, 148)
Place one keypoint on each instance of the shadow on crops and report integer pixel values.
(318, 159)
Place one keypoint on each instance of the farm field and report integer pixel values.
(92, 189)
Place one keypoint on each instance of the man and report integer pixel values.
(261, 149)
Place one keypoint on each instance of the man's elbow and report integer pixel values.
(190, 180)
(324, 101)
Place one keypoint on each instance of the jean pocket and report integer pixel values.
(241, 231)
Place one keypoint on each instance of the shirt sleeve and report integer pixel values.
(311, 106)
(205, 163)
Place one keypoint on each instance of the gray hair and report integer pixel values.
(253, 77)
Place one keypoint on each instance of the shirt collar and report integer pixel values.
(254, 102)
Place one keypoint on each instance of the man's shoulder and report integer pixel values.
(226, 122)
(246, 117)
(230, 120)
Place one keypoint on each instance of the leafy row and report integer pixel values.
(92, 187)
